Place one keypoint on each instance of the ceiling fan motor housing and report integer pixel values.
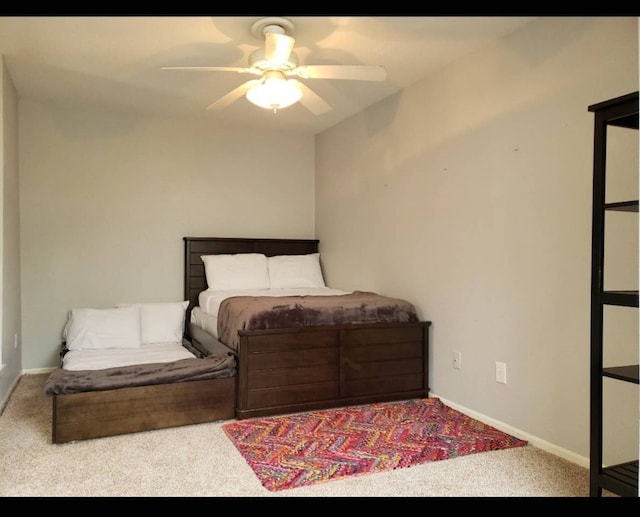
(258, 60)
(260, 29)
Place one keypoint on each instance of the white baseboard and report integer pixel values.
(35, 371)
(533, 440)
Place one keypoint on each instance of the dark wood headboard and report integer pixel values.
(194, 278)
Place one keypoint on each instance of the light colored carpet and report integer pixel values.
(199, 460)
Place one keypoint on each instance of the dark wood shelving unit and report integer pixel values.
(621, 479)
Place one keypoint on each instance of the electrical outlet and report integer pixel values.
(457, 360)
(501, 372)
(15, 340)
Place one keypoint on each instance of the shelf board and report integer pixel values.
(630, 121)
(624, 373)
(621, 111)
(621, 479)
(622, 206)
(624, 298)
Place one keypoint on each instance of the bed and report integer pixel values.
(295, 363)
(129, 369)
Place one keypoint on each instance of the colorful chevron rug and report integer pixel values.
(306, 448)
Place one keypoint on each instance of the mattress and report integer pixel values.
(206, 322)
(99, 359)
(209, 301)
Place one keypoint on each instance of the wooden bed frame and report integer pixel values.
(96, 414)
(306, 368)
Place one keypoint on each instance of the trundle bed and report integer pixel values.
(306, 367)
(123, 387)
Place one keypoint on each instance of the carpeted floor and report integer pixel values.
(201, 461)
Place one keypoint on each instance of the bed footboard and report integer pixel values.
(302, 369)
(95, 414)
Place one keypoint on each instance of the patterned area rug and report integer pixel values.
(307, 448)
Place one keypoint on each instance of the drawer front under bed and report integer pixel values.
(385, 360)
(312, 368)
(284, 368)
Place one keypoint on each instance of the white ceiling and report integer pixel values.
(115, 62)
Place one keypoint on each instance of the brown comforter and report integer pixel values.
(271, 312)
(68, 381)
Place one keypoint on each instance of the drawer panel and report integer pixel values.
(264, 398)
(274, 340)
(372, 336)
(384, 352)
(293, 358)
(391, 384)
(291, 376)
(381, 369)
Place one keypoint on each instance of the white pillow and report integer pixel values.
(161, 322)
(292, 271)
(236, 271)
(103, 328)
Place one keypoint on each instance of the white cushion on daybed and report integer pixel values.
(103, 328)
(161, 322)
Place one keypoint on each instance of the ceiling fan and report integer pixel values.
(275, 63)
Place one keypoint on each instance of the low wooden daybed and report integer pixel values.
(93, 404)
(301, 368)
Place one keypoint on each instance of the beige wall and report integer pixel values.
(106, 200)
(469, 194)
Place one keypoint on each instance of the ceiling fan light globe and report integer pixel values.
(275, 93)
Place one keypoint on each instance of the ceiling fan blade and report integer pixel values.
(237, 69)
(312, 101)
(233, 95)
(278, 47)
(353, 72)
